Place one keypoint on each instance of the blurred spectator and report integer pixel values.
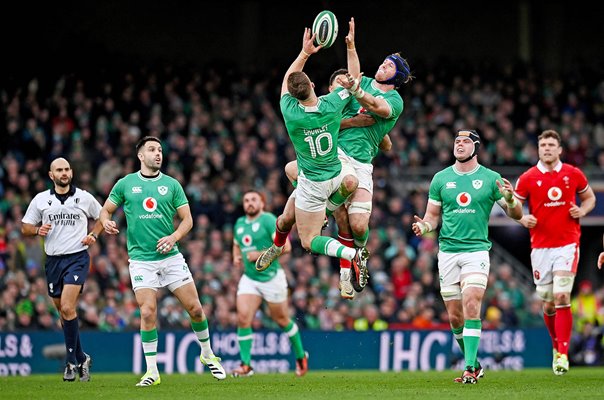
(226, 136)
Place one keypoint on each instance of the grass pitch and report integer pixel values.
(531, 384)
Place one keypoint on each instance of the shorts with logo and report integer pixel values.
(364, 172)
(311, 196)
(273, 291)
(67, 269)
(452, 265)
(545, 261)
(171, 273)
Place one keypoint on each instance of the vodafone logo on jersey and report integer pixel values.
(464, 199)
(554, 193)
(150, 204)
(246, 240)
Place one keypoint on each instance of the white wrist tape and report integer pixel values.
(512, 203)
(425, 227)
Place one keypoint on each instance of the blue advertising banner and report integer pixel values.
(178, 352)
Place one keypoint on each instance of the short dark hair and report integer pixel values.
(550, 133)
(341, 71)
(298, 85)
(144, 140)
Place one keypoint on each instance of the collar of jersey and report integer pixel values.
(541, 167)
(466, 173)
(250, 221)
(314, 108)
(70, 192)
(140, 175)
(374, 85)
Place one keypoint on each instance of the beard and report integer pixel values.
(152, 165)
(62, 183)
(252, 212)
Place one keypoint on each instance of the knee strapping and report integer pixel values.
(563, 284)
(474, 280)
(546, 292)
(452, 292)
(359, 207)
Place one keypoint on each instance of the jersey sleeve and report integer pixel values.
(395, 101)
(33, 215)
(338, 99)
(93, 209)
(496, 193)
(582, 183)
(180, 198)
(521, 189)
(117, 193)
(434, 195)
(286, 102)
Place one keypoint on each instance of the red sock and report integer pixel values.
(550, 323)
(280, 237)
(564, 327)
(347, 240)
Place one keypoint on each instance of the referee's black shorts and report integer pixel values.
(68, 269)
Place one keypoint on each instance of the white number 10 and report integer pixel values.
(315, 145)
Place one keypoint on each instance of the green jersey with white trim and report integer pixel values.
(466, 201)
(256, 235)
(363, 143)
(314, 133)
(150, 205)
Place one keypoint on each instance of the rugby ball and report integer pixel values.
(325, 26)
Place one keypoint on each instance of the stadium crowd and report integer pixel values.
(223, 134)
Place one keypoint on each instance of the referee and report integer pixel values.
(60, 215)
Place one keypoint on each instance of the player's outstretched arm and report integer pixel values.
(429, 222)
(371, 103)
(308, 48)
(352, 57)
(513, 208)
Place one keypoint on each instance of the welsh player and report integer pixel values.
(150, 200)
(313, 123)
(253, 233)
(463, 195)
(551, 188)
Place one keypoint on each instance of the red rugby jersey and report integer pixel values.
(550, 196)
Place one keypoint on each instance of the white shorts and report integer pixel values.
(273, 291)
(171, 273)
(452, 265)
(311, 196)
(545, 261)
(364, 172)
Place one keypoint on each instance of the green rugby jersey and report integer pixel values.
(466, 201)
(314, 133)
(256, 235)
(150, 205)
(363, 143)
